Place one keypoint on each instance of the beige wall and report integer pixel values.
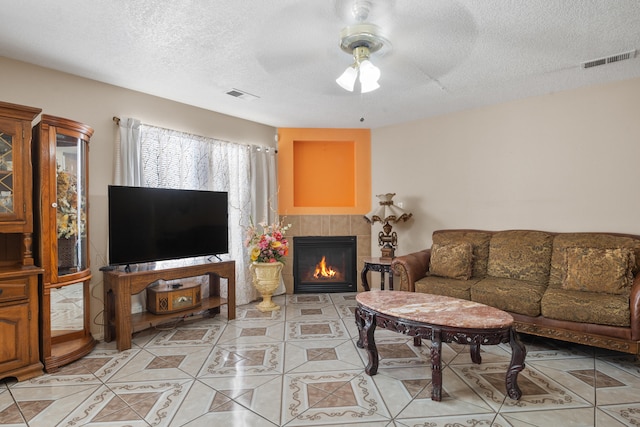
(95, 104)
(567, 161)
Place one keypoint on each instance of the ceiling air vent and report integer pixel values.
(237, 93)
(609, 59)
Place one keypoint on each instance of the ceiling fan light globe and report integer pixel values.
(348, 79)
(368, 86)
(369, 71)
(369, 75)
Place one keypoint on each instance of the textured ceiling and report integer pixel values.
(444, 55)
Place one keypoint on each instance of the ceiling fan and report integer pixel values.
(361, 40)
(411, 42)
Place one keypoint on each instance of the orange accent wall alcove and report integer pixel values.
(324, 171)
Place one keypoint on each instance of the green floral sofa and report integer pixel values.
(577, 287)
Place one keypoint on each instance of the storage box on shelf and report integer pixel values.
(165, 298)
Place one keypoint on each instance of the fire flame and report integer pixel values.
(322, 270)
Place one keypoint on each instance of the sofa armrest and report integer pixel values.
(410, 268)
(634, 307)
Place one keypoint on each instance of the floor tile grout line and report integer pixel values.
(126, 404)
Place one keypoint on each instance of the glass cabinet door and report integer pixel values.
(6, 173)
(8, 200)
(71, 204)
(67, 309)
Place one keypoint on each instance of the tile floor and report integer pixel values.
(300, 366)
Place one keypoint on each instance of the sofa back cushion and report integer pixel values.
(520, 254)
(479, 241)
(599, 270)
(578, 243)
(454, 261)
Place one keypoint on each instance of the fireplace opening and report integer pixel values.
(324, 264)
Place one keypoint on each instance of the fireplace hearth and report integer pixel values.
(324, 264)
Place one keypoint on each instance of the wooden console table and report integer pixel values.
(119, 286)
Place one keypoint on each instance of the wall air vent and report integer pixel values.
(608, 60)
(237, 93)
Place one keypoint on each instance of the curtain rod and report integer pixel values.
(116, 120)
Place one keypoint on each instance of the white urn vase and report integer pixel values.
(266, 279)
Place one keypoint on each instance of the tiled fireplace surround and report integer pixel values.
(327, 225)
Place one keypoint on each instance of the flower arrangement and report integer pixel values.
(270, 245)
(67, 220)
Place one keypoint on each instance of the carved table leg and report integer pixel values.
(475, 354)
(518, 353)
(369, 342)
(417, 341)
(360, 324)
(368, 321)
(363, 277)
(436, 366)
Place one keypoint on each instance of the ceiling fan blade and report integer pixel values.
(426, 46)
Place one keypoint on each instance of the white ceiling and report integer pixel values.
(445, 55)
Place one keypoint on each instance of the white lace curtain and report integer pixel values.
(150, 156)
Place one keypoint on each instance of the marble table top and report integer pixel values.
(435, 309)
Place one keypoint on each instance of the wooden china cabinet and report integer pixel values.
(19, 355)
(61, 153)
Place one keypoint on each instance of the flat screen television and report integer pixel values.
(154, 224)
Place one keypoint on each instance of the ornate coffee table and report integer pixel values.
(439, 319)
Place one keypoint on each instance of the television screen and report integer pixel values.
(153, 224)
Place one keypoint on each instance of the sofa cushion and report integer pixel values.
(599, 270)
(443, 286)
(586, 307)
(517, 296)
(479, 241)
(454, 260)
(520, 254)
(586, 240)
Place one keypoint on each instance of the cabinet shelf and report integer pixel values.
(146, 319)
(70, 350)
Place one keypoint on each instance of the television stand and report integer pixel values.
(119, 286)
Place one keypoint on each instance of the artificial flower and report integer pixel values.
(269, 245)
